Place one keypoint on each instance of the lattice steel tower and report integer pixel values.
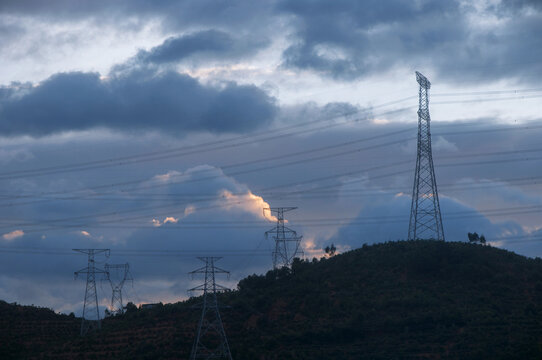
(91, 313)
(287, 243)
(117, 274)
(211, 341)
(425, 216)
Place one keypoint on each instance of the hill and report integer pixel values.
(398, 300)
(29, 329)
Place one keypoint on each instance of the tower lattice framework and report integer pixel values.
(117, 275)
(287, 242)
(211, 341)
(425, 216)
(91, 313)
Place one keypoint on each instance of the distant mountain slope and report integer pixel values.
(398, 300)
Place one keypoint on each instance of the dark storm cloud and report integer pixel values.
(135, 100)
(173, 14)
(202, 44)
(345, 39)
(351, 39)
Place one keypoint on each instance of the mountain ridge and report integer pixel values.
(397, 300)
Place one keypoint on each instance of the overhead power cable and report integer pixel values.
(469, 155)
(126, 252)
(172, 207)
(212, 146)
(487, 92)
(191, 224)
(169, 206)
(178, 152)
(140, 181)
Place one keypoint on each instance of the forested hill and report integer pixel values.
(399, 300)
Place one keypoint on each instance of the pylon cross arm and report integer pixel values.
(199, 271)
(82, 271)
(198, 288)
(220, 271)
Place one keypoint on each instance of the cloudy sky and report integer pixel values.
(161, 129)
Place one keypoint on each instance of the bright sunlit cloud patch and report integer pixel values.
(168, 219)
(248, 202)
(381, 121)
(10, 236)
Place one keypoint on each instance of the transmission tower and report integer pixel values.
(287, 243)
(425, 216)
(91, 313)
(117, 274)
(211, 341)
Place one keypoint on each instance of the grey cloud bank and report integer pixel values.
(172, 14)
(352, 39)
(138, 100)
(463, 42)
(208, 44)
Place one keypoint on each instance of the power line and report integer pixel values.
(169, 153)
(192, 253)
(488, 92)
(119, 160)
(109, 214)
(187, 225)
(524, 97)
(173, 207)
(139, 252)
(252, 161)
(531, 180)
(97, 195)
(157, 155)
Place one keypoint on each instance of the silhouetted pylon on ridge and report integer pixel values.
(287, 243)
(211, 341)
(425, 216)
(91, 314)
(117, 275)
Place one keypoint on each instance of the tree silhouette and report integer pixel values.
(475, 238)
(330, 250)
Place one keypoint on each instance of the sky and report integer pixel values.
(162, 129)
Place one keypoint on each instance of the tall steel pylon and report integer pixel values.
(91, 313)
(425, 216)
(117, 275)
(287, 243)
(211, 341)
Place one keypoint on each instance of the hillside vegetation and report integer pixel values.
(398, 300)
